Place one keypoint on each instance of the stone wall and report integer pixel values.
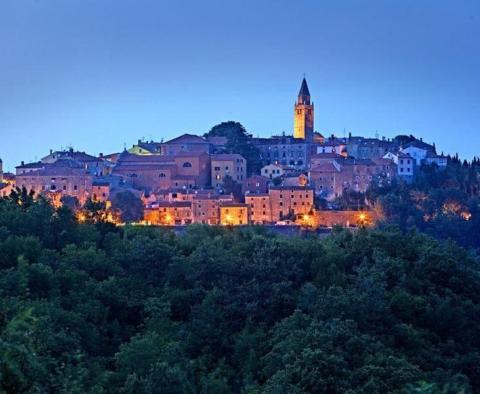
(345, 218)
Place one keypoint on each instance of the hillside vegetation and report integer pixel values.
(91, 308)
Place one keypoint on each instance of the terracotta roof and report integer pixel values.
(290, 188)
(37, 164)
(324, 167)
(187, 139)
(174, 204)
(227, 157)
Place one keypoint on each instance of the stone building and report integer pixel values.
(331, 178)
(206, 209)
(25, 168)
(290, 200)
(234, 214)
(284, 150)
(63, 177)
(260, 208)
(370, 148)
(169, 213)
(303, 114)
(227, 164)
(256, 184)
(185, 143)
(272, 171)
(93, 165)
(145, 148)
(185, 170)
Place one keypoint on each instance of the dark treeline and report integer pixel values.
(442, 203)
(92, 308)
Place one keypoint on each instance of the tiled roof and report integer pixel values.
(290, 188)
(324, 167)
(37, 164)
(187, 139)
(420, 145)
(227, 157)
(174, 204)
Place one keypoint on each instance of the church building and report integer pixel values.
(303, 115)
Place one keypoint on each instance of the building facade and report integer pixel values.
(227, 165)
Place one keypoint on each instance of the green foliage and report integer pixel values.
(238, 141)
(92, 308)
(129, 205)
(231, 186)
(443, 203)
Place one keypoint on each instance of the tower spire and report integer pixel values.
(303, 114)
(304, 93)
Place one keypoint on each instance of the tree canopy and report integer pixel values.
(93, 308)
(238, 141)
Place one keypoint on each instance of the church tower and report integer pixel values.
(303, 116)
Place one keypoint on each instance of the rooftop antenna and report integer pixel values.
(124, 146)
(377, 136)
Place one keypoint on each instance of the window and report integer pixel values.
(162, 175)
(217, 168)
(187, 164)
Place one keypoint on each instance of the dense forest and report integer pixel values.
(94, 308)
(442, 203)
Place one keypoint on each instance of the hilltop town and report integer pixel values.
(228, 177)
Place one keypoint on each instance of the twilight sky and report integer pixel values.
(98, 74)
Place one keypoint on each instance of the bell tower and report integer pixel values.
(303, 115)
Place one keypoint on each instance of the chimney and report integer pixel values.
(139, 142)
(23, 163)
(101, 155)
(51, 151)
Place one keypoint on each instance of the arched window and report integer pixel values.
(187, 164)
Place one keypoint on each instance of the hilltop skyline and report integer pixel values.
(98, 76)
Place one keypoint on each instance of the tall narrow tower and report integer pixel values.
(303, 116)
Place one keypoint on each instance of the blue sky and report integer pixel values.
(98, 74)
